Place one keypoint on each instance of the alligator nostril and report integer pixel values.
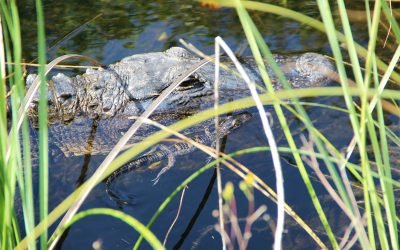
(97, 87)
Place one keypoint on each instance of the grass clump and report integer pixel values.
(381, 230)
(11, 166)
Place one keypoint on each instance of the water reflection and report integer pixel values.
(116, 28)
(127, 28)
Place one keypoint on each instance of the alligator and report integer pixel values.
(161, 151)
(129, 86)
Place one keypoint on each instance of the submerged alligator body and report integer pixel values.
(86, 136)
(161, 151)
(128, 86)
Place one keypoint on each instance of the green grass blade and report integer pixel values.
(350, 44)
(43, 137)
(387, 186)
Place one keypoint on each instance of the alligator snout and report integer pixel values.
(61, 95)
(61, 99)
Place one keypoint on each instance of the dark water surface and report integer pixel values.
(125, 28)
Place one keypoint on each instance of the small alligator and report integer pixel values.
(161, 151)
(128, 87)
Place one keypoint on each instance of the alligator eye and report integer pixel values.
(236, 123)
(65, 96)
(191, 82)
(187, 84)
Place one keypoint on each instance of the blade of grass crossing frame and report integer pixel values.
(380, 227)
(4, 168)
(387, 187)
(17, 94)
(43, 140)
(3, 115)
(350, 44)
(3, 104)
(385, 171)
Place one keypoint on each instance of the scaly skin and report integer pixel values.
(161, 151)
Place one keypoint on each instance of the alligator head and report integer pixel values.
(132, 81)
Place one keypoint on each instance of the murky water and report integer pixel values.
(111, 30)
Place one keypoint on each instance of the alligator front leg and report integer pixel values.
(170, 163)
